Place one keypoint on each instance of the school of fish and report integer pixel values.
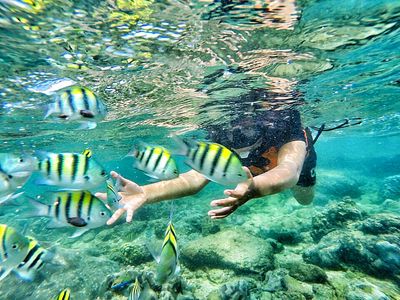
(74, 205)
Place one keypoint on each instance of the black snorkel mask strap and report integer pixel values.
(345, 123)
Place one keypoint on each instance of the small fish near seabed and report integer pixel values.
(33, 261)
(14, 248)
(155, 161)
(70, 170)
(63, 295)
(79, 209)
(113, 196)
(216, 162)
(167, 259)
(76, 103)
(135, 291)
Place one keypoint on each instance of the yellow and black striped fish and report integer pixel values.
(168, 265)
(70, 170)
(76, 102)
(155, 161)
(214, 161)
(113, 196)
(135, 291)
(63, 295)
(34, 260)
(73, 208)
(13, 249)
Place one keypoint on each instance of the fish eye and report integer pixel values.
(21, 160)
(240, 175)
(14, 246)
(103, 173)
(102, 213)
(10, 176)
(86, 177)
(175, 171)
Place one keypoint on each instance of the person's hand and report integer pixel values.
(243, 192)
(132, 199)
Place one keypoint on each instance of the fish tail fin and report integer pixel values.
(137, 146)
(4, 273)
(39, 208)
(49, 109)
(183, 145)
(8, 199)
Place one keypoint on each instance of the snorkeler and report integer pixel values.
(277, 153)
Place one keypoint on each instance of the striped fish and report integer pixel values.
(155, 161)
(34, 260)
(13, 249)
(63, 295)
(167, 262)
(70, 170)
(135, 291)
(77, 103)
(214, 161)
(73, 208)
(113, 196)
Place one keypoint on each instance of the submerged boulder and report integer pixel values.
(390, 189)
(334, 216)
(378, 255)
(306, 272)
(381, 224)
(232, 249)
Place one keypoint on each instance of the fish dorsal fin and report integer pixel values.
(87, 152)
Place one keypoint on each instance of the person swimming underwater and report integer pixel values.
(277, 153)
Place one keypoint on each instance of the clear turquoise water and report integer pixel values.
(173, 66)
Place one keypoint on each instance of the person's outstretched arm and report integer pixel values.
(135, 196)
(285, 175)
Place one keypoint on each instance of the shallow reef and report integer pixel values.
(348, 248)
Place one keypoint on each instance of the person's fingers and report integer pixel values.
(238, 193)
(225, 202)
(122, 179)
(248, 172)
(101, 196)
(129, 215)
(118, 213)
(221, 212)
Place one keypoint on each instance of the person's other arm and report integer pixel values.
(135, 196)
(285, 175)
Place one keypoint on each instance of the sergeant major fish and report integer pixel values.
(70, 170)
(33, 262)
(73, 208)
(77, 103)
(13, 249)
(155, 161)
(214, 161)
